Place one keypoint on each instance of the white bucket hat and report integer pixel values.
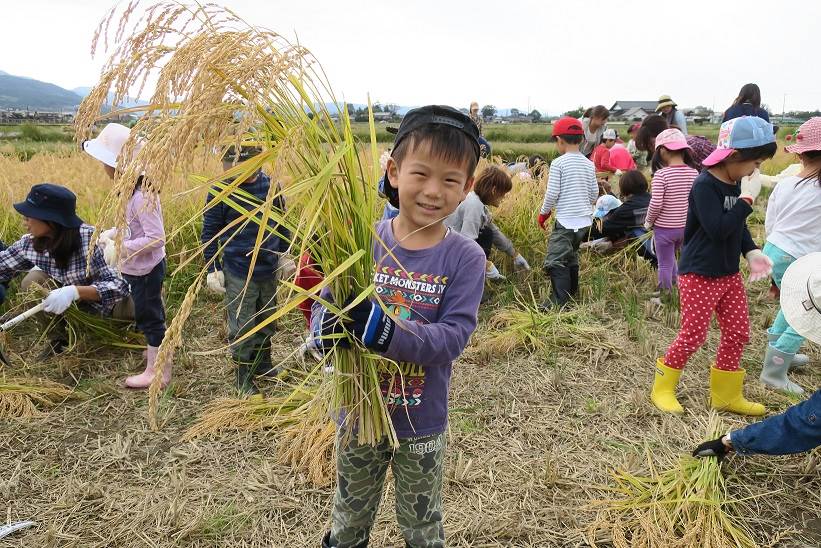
(801, 296)
(107, 145)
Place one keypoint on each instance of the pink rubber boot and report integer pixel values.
(143, 380)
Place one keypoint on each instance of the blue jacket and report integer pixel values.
(236, 253)
(796, 430)
(744, 109)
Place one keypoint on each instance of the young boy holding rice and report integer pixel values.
(571, 190)
(248, 305)
(430, 279)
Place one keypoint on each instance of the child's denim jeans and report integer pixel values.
(796, 430)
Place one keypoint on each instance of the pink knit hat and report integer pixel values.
(808, 137)
(672, 139)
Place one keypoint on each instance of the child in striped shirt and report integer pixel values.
(571, 190)
(673, 175)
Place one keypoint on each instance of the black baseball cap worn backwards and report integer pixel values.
(50, 202)
(427, 115)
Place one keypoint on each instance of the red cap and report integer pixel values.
(567, 125)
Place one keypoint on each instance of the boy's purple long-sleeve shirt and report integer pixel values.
(434, 294)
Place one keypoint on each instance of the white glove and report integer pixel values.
(286, 268)
(751, 186)
(58, 300)
(619, 173)
(492, 273)
(216, 281)
(648, 226)
(110, 253)
(520, 263)
(760, 265)
(109, 235)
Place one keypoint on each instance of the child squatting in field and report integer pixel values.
(58, 243)
(247, 305)
(144, 264)
(473, 219)
(715, 235)
(426, 328)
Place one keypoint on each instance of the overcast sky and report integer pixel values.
(552, 56)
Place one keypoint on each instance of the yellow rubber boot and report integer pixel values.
(663, 394)
(727, 393)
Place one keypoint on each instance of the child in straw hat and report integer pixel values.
(715, 236)
(144, 264)
(798, 428)
(793, 230)
(430, 279)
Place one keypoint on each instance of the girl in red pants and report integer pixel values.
(715, 236)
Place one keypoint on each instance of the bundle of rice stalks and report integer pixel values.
(516, 217)
(24, 398)
(687, 506)
(222, 82)
(304, 430)
(534, 329)
(307, 445)
(252, 414)
(94, 330)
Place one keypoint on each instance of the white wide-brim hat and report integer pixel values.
(801, 296)
(107, 145)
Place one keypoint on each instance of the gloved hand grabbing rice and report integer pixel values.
(492, 273)
(714, 448)
(58, 300)
(751, 186)
(520, 263)
(367, 322)
(216, 281)
(760, 265)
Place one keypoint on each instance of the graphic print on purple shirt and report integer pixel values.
(435, 294)
(408, 296)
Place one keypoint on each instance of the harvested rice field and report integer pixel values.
(535, 433)
(552, 438)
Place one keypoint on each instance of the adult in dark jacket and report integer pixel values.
(248, 304)
(748, 103)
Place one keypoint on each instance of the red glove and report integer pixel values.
(543, 217)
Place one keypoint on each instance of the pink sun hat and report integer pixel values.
(743, 132)
(807, 138)
(672, 139)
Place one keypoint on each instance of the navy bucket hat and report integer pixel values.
(50, 202)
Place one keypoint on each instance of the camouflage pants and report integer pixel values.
(245, 311)
(417, 467)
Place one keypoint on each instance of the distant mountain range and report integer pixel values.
(26, 93)
(19, 92)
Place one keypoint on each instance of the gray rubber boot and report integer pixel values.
(774, 372)
(799, 360)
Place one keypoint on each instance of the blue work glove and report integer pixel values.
(368, 323)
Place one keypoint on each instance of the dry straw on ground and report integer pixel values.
(26, 398)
